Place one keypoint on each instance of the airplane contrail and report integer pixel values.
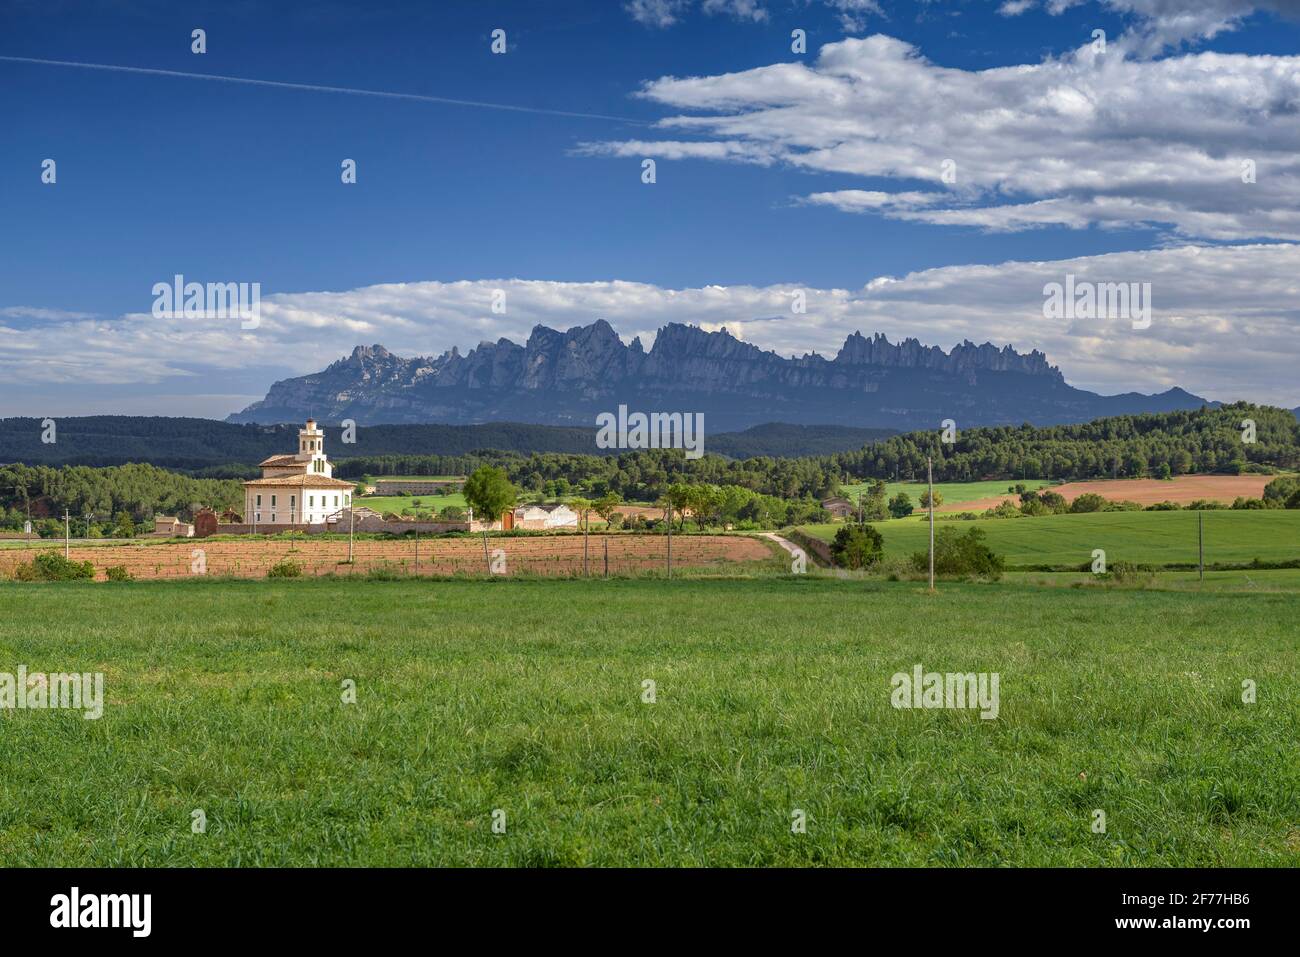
(317, 88)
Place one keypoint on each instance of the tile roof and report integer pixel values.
(302, 481)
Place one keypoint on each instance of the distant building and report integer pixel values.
(297, 489)
(545, 516)
(205, 523)
(839, 507)
(413, 486)
(171, 527)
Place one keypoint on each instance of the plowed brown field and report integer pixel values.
(1183, 490)
(557, 555)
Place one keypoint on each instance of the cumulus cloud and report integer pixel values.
(1224, 324)
(1087, 139)
(662, 14)
(1160, 24)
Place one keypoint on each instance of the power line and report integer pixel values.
(318, 88)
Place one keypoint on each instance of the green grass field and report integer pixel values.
(950, 493)
(1156, 537)
(395, 503)
(772, 695)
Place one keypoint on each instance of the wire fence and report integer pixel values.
(560, 555)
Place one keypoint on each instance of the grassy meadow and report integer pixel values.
(951, 493)
(395, 503)
(772, 694)
(1152, 537)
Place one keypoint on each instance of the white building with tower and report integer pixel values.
(297, 489)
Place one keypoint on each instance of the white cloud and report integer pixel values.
(1088, 139)
(1160, 24)
(1224, 324)
(661, 14)
(34, 312)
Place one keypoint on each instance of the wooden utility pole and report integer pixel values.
(417, 546)
(67, 534)
(668, 511)
(1200, 541)
(606, 541)
(929, 477)
(352, 524)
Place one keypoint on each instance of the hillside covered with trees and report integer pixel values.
(1156, 445)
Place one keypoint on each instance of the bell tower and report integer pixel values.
(311, 449)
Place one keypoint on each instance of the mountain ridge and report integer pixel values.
(566, 378)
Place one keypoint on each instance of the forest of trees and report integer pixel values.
(1126, 446)
(1130, 446)
(138, 491)
(1155, 445)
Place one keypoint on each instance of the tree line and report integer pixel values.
(1131, 446)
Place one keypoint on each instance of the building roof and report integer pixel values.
(301, 481)
(837, 500)
(282, 461)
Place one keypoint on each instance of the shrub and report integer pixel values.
(1088, 502)
(960, 554)
(118, 573)
(285, 569)
(1123, 506)
(1054, 501)
(1164, 507)
(1006, 509)
(50, 566)
(1281, 489)
(1130, 573)
(857, 546)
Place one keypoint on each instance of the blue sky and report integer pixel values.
(159, 175)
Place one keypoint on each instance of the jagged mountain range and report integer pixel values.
(567, 378)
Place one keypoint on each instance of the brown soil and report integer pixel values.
(551, 555)
(1184, 489)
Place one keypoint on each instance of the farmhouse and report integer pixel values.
(168, 526)
(545, 516)
(297, 489)
(838, 506)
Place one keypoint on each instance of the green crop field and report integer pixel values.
(1155, 537)
(950, 493)
(395, 503)
(771, 696)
